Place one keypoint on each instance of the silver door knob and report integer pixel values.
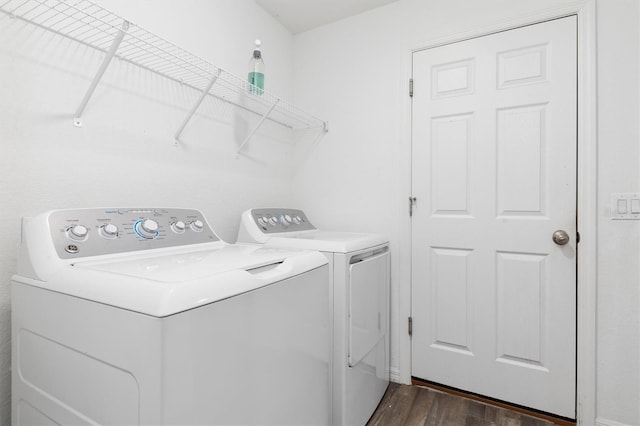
(560, 237)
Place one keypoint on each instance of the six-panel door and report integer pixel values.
(494, 172)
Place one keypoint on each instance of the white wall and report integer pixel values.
(619, 241)
(124, 153)
(354, 73)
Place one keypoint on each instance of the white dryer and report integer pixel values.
(359, 277)
(144, 316)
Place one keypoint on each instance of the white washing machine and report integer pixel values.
(359, 277)
(144, 316)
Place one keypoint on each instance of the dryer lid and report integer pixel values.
(327, 241)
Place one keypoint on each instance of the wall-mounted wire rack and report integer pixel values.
(94, 26)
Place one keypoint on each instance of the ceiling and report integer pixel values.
(302, 15)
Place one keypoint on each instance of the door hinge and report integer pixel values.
(410, 326)
(412, 202)
(577, 238)
(411, 88)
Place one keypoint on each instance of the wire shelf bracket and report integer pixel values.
(77, 117)
(195, 107)
(255, 129)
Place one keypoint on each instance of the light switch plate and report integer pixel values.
(625, 205)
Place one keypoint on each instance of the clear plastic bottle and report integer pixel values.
(256, 71)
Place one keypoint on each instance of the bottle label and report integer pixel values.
(257, 80)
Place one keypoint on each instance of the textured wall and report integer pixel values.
(355, 73)
(124, 153)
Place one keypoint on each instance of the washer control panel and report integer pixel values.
(271, 221)
(93, 232)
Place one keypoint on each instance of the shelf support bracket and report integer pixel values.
(195, 107)
(255, 129)
(77, 118)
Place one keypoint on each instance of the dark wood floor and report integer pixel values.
(414, 405)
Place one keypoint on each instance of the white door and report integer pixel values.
(494, 175)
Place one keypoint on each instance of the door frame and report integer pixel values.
(585, 10)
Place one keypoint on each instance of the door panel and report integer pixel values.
(451, 289)
(367, 321)
(494, 173)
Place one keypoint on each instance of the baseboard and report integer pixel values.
(394, 375)
(606, 422)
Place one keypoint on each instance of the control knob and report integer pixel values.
(109, 231)
(147, 228)
(178, 227)
(297, 220)
(285, 220)
(77, 232)
(197, 226)
(273, 221)
(262, 221)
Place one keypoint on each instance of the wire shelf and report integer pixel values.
(94, 26)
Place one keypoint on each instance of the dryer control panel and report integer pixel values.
(94, 232)
(271, 221)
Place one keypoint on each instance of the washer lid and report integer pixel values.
(167, 283)
(190, 265)
(328, 241)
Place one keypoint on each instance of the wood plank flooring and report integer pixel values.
(405, 405)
